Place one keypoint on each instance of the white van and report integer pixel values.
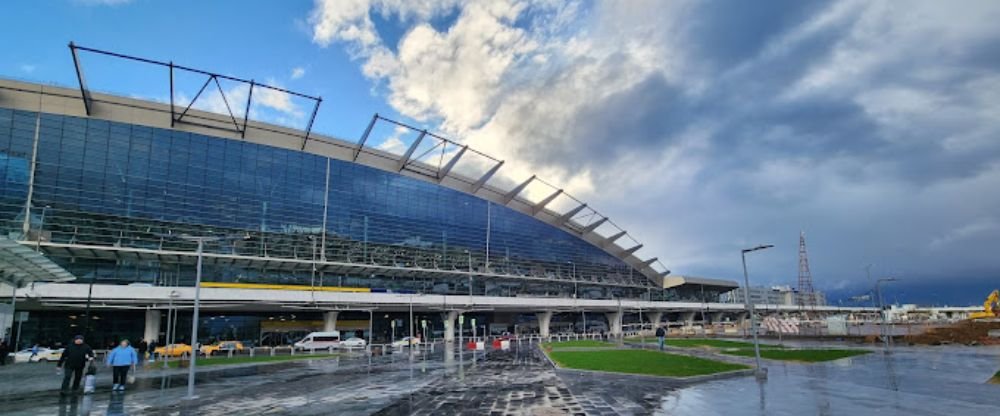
(319, 341)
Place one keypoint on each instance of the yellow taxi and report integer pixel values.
(222, 347)
(173, 350)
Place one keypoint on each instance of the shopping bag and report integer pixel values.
(89, 383)
(130, 379)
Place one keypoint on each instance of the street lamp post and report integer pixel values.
(470, 274)
(760, 373)
(194, 318)
(197, 301)
(411, 326)
(881, 307)
(576, 291)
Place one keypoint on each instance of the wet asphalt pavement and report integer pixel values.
(910, 381)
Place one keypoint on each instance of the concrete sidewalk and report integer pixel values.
(28, 379)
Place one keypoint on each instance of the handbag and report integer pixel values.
(91, 369)
(130, 379)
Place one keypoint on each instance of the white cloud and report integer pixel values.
(298, 72)
(836, 123)
(28, 68)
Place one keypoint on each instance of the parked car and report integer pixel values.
(406, 342)
(353, 342)
(44, 355)
(222, 347)
(319, 341)
(173, 350)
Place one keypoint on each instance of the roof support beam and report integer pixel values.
(593, 226)
(364, 137)
(517, 189)
(482, 180)
(451, 163)
(571, 213)
(629, 251)
(84, 91)
(541, 204)
(409, 152)
(650, 261)
(312, 119)
(612, 239)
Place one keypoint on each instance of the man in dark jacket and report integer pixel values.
(74, 358)
(661, 336)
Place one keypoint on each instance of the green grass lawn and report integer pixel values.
(705, 342)
(996, 378)
(641, 362)
(581, 343)
(246, 359)
(808, 356)
(714, 343)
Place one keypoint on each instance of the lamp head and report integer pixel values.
(760, 247)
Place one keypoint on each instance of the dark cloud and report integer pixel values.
(708, 127)
(727, 33)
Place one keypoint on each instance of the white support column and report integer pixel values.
(544, 318)
(654, 318)
(152, 331)
(449, 325)
(717, 317)
(688, 318)
(330, 321)
(615, 322)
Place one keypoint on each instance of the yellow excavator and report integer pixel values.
(991, 308)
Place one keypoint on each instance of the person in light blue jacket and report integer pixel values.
(121, 359)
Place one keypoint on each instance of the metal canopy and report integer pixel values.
(287, 264)
(20, 265)
(210, 78)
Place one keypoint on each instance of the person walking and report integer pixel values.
(74, 358)
(142, 350)
(34, 352)
(661, 336)
(4, 350)
(152, 350)
(121, 359)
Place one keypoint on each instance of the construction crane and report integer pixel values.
(991, 308)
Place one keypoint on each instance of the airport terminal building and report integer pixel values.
(108, 194)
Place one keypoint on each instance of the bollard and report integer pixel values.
(292, 352)
(272, 351)
(251, 351)
(329, 350)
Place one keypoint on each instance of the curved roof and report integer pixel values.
(580, 220)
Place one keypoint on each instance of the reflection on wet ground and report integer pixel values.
(910, 381)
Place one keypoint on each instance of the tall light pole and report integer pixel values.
(760, 373)
(412, 337)
(470, 274)
(881, 308)
(197, 301)
(576, 291)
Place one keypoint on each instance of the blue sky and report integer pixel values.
(255, 40)
(700, 127)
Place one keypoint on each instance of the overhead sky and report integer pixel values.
(700, 127)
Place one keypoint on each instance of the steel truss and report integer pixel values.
(210, 78)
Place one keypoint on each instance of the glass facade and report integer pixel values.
(101, 183)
